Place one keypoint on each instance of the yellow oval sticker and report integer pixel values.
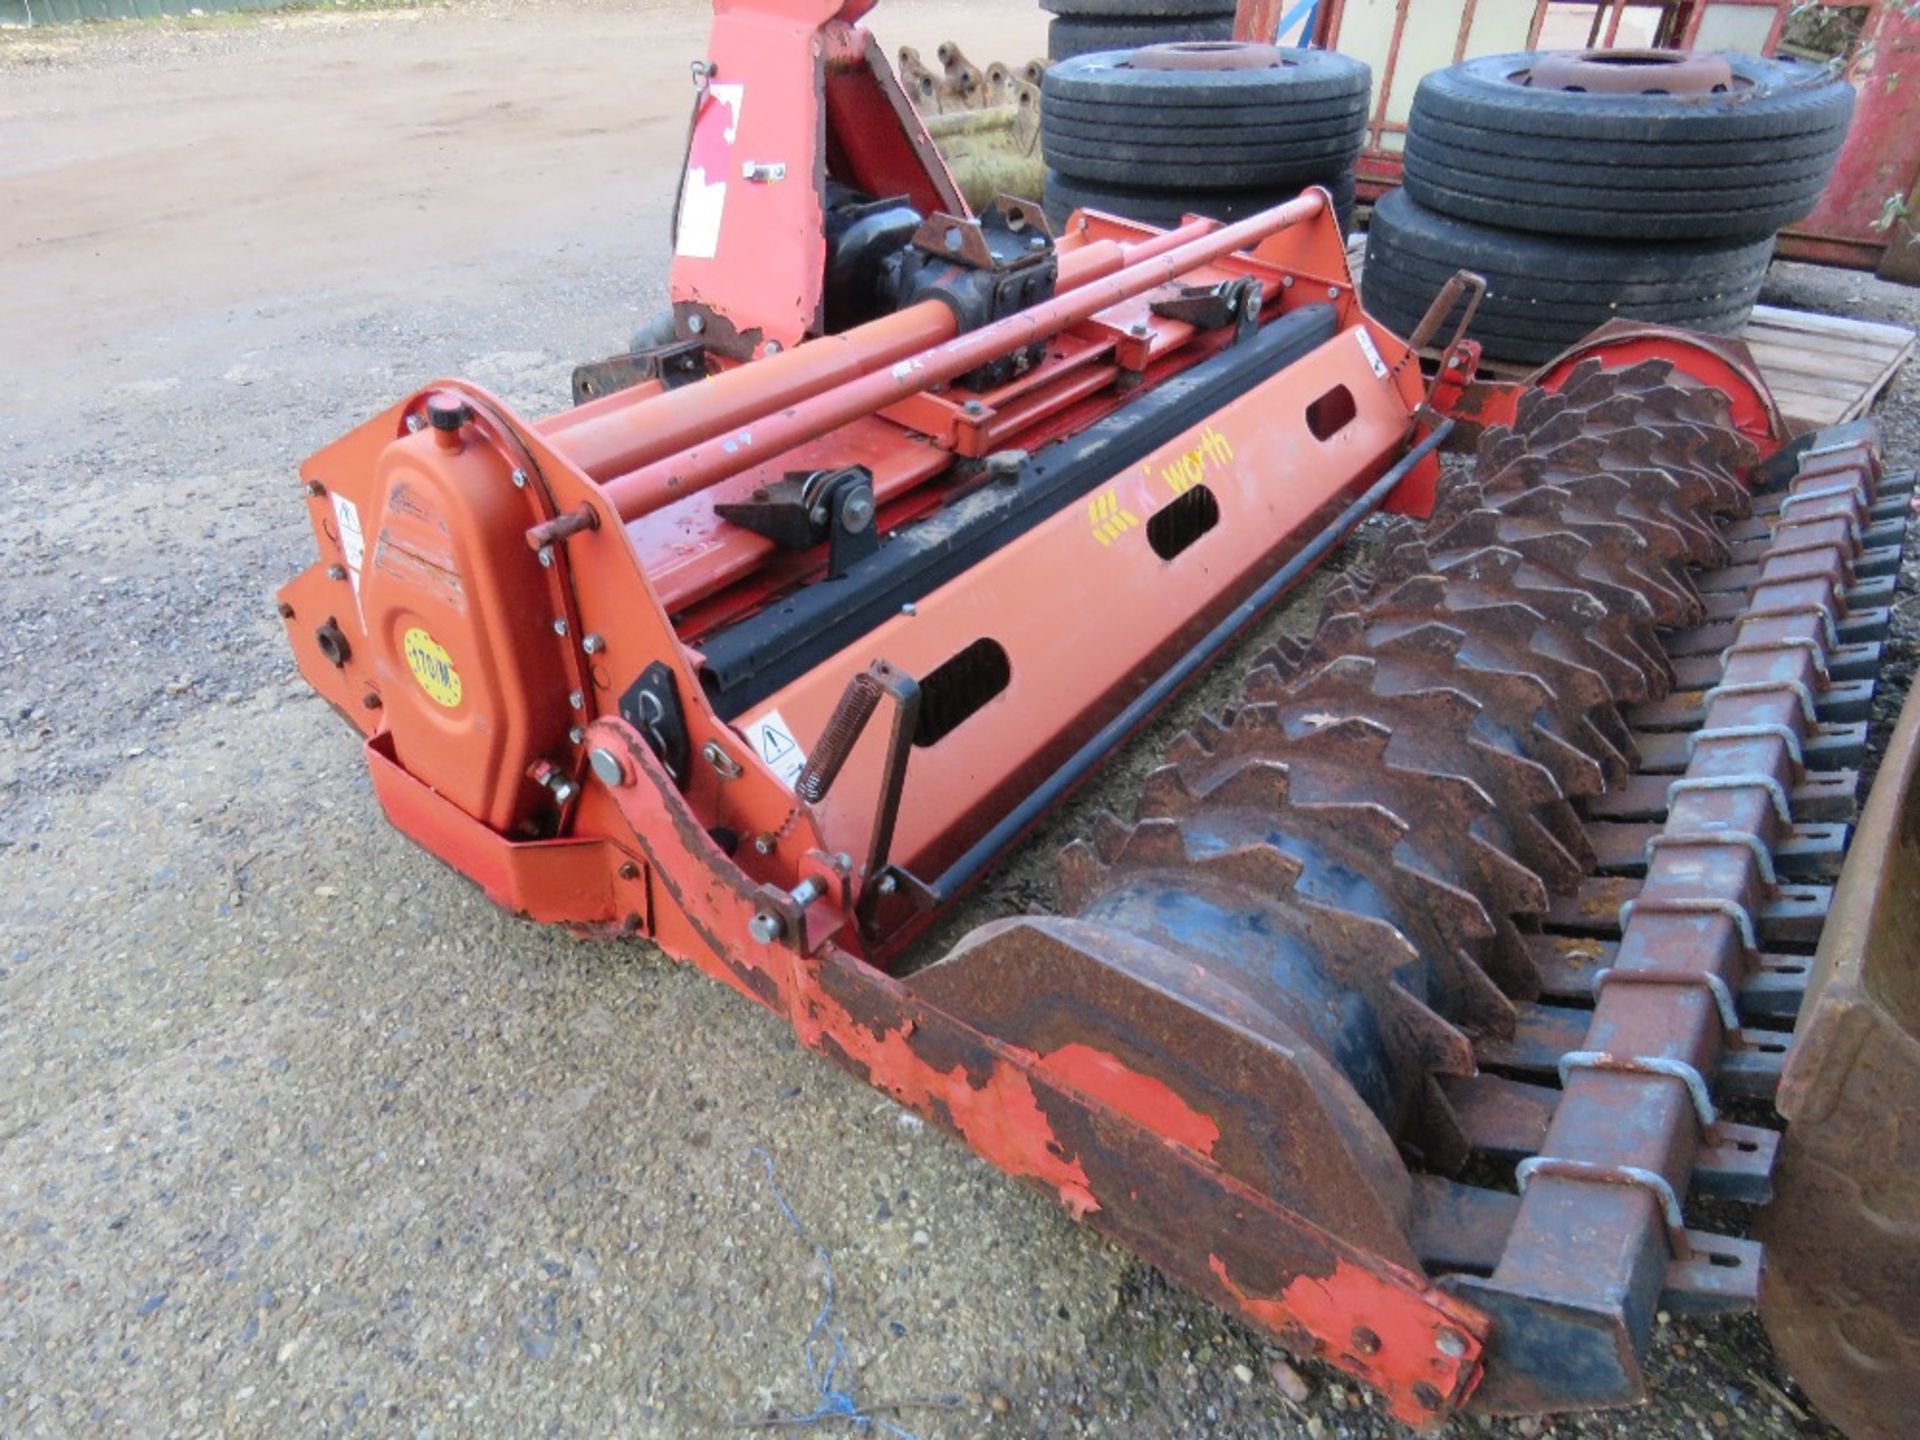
(432, 667)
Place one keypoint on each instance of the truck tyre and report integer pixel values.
(1165, 208)
(1682, 147)
(1071, 36)
(1205, 116)
(1545, 292)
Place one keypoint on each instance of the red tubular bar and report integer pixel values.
(607, 444)
(774, 432)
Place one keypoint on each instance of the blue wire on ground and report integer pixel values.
(834, 1404)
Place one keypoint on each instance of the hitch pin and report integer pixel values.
(562, 527)
(768, 926)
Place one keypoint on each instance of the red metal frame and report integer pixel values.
(486, 675)
(638, 857)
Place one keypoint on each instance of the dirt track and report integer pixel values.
(297, 1132)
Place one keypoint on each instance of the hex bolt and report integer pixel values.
(560, 627)
(546, 557)
(806, 892)
(592, 644)
(416, 423)
(1286, 282)
(909, 609)
(888, 884)
(1333, 292)
(764, 844)
(576, 700)
(1141, 330)
(773, 347)
(696, 324)
(519, 479)
(336, 572)
(575, 735)
(856, 512)
(563, 790)
(607, 766)
(766, 927)
(974, 407)
(1450, 1343)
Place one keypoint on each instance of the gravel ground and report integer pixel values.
(297, 1133)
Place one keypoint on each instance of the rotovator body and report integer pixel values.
(810, 608)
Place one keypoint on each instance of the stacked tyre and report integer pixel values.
(1586, 187)
(1222, 129)
(1082, 27)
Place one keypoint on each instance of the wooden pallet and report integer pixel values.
(1822, 369)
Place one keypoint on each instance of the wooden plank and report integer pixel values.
(1809, 383)
(1818, 344)
(1807, 320)
(1782, 355)
(1810, 411)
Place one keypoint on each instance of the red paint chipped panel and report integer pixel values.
(1141, 1098)
(1370, 1327)
(1000, 1118)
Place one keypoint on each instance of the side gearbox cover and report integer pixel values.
(459, 616)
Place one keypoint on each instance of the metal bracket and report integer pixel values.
(1808, 643)
(1820, 492)
(1654, 1184)
(1695, 905)
(1715, 840)
(681, 363)
(1786, 612)
(1214, 307)
(811, 506)
(1709, 980)
(1702, 784)
(1762, 687)
(651, 706)
(1785, 734)
(1646, 1065)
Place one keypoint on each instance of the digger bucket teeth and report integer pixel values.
(1388, 875)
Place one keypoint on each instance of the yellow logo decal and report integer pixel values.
(432, 667)
(1108, 520)
(1190, 469)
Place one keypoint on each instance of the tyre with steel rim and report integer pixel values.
(1629, 144)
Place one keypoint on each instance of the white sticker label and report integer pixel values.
(773, 741)
(353, 541)
(1372, 352)
(703, 198)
